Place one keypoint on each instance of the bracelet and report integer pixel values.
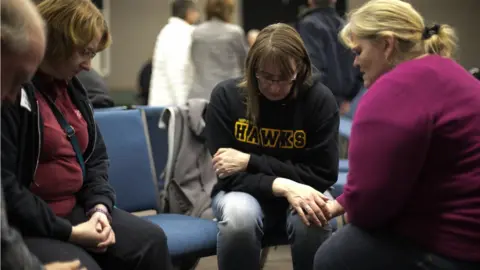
(101, 210)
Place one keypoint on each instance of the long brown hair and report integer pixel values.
(278, 44)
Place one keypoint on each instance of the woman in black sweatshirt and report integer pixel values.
(273, 136)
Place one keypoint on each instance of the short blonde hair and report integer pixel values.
(382, 18)
(72, 24)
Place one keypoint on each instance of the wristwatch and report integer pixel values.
(101, 210)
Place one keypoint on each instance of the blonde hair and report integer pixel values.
(277, 44)
(19, 18)
(72, 24)
(383, 18)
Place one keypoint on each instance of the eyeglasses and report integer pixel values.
(266, 79)
(88, 53)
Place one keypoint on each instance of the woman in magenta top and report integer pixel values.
(413, 191)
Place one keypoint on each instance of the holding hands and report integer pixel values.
(309, 203)
(228, 161)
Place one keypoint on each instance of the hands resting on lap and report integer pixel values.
(311, 205)
(96, 234)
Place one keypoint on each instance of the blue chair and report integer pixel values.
(343, 165)
(338, 187)
(158, 140)
(133, 175)
(345, 127)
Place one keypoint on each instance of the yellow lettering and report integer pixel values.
(269, 137)
(253, 136)
(300, 139)
(241, 131)
(286, 139)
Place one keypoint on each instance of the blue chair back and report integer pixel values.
(343, 165)
(117, 108)
(345, 127)
(340, 184)
(158, 140)
(131, 171)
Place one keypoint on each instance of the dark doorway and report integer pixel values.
(98, 3)
(258, 14)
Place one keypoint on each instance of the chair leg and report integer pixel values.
(264, 257)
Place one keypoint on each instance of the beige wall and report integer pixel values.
(135, 25)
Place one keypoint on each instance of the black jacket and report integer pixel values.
(97, 89)
(295, 138)
(319, 28)
(22, 131)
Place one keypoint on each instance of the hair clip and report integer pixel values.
(428, 32)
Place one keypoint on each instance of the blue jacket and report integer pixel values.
(319, 28)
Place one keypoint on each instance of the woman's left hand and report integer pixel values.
(102, 224)
(228, 161)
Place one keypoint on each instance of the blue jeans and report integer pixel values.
(355, 249)
(241, 223)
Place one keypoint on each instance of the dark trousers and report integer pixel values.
(140, 245)
(355, 249)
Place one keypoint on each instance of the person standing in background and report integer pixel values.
(252, 36)
(219, 48)
(319, 27)
(172, 68)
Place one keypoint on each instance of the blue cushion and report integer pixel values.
(338, 186)
(188, 236)
(343, 165)
(158, 140)
(345, 127)
(131, 171)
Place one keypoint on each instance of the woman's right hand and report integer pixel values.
(73, 265)
(87, 235)
(309, 203)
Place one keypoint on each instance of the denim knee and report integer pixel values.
(237, 213)
(297, 230)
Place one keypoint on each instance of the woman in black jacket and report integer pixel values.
(54, 160)
(273, 135)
